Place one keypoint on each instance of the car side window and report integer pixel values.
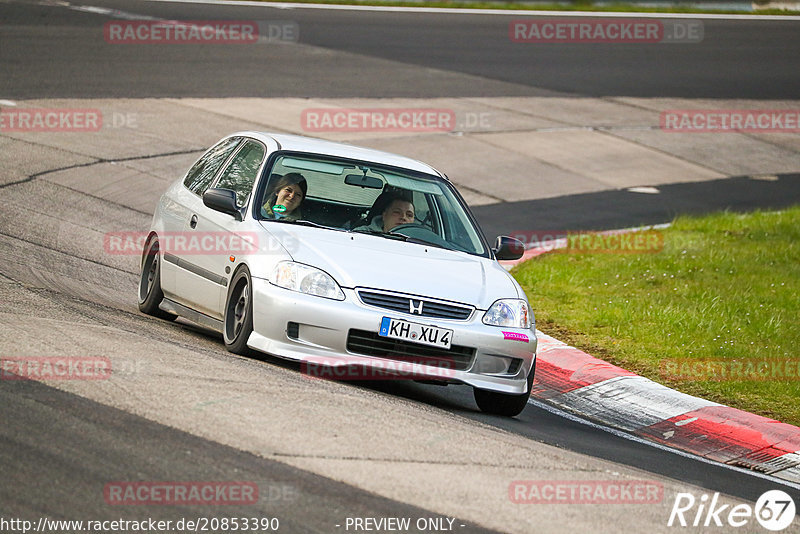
(202, 173)
(241, 172)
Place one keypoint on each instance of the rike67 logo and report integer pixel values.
(774, 510)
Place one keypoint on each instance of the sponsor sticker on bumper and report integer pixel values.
(516, 336)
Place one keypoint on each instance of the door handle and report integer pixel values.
(193, 221)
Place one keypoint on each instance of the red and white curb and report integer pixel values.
(576, 382)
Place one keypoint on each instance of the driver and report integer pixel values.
(398, 210)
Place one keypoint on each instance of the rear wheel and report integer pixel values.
(238, 322)
(504, 403)
(150, 294)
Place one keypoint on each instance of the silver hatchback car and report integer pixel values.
(355, 262)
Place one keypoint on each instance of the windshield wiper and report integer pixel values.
(407, 239)
(304, 222)
(387, 235)
(419, 241)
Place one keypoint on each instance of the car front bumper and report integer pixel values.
(315, 330)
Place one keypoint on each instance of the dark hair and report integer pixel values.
(292, 178)
(385, 200)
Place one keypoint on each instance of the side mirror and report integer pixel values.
(222, 200)
(508, 248)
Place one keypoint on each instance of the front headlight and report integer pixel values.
(306, 279)
(511, 313)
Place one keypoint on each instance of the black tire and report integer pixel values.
(503, 403)
(150, 294)
(238, 320)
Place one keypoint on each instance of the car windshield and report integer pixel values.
(368, 198)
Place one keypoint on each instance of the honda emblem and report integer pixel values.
(414, 309)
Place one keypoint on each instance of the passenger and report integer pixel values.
(286, 197)
(390, 209)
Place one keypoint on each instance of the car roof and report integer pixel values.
(313, 145)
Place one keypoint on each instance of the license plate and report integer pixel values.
(418, 333)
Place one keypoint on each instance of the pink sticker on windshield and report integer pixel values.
(516, 337)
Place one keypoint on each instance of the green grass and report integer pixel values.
(578, 5)
(725, 287)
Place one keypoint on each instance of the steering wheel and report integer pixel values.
(410, 226)
(424, 233)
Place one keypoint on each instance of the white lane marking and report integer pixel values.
(9, 103)
(113, 13)
(637, 439)
(511, 12)
(552, 129)
(644, 189)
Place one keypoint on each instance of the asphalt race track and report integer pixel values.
(60, 46)
(320, 452)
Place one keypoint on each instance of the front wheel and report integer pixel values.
(238, 322)
(150, 294)
(504, 403)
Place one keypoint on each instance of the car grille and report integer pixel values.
(430, 308)
(458, 358)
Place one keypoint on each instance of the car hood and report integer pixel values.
(363, 260)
